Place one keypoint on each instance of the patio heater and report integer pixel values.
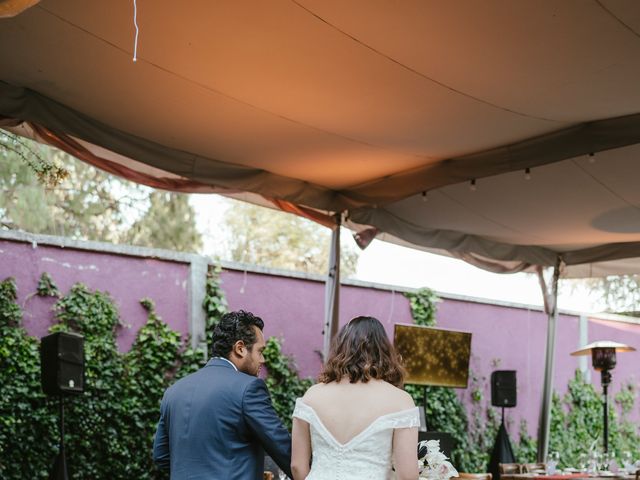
(603, 357)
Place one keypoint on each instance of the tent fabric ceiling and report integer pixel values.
(361, 106)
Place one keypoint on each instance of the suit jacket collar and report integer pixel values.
(219, 362)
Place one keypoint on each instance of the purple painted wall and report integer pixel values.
(127, 279)
(504, 337)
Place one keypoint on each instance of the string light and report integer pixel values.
(472, 185)
(424, 196)
(135, 23)
(592, 158)
(527, 173)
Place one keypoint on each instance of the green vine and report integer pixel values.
(214, 303)
(444, 411)
(27, 418)
(47, 287)
(282, 380)
(424, 306)
(576, 422)
(109, 429)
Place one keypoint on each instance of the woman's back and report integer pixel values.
(347, 409)
(356, 423)
(352, 435)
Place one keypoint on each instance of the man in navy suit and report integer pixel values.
(217, 422)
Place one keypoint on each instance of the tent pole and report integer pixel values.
(332, 290)
(551, 309)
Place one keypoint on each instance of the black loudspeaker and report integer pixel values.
(62, 363)
(503, 388)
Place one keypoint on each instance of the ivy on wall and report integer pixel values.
(444, 411)
(283, 381)
(27, 422)
(109, 429)
(577, 424)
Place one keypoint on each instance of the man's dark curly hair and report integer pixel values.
(234, 326)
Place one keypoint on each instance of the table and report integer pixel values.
(573, 476)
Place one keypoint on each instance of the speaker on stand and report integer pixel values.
(61, 373)
(504, 395)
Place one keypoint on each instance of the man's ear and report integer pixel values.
(240, 349)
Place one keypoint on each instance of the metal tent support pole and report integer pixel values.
(606, 380)
(59, 471)
(551, 309)
(332, 290)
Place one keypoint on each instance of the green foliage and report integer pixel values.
(576, 422)
(444, 411)
(423, 305)
(48, 191)
(10, 313)
(27, 419)
(214, 303)
(47, 287)
(282, 381)
(277, 239)
(49, 173)
(525, 451)
(169, 222)
(109, 429)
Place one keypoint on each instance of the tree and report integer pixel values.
(615, 293)
(47, 191)
(281, 240)
(169, 222)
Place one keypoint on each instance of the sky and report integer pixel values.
(390, 264)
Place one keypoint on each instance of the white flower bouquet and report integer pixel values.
(432, 463)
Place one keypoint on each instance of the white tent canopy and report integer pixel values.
(360, 106)
(389, 111)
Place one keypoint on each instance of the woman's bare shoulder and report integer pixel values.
(314, 391)
(401, 398)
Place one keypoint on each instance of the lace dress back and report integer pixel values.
(366, 456)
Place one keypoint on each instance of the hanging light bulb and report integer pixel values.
(472, 185)
(592, 158)
(527, 173)
(424, 196)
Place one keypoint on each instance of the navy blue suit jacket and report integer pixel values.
(216, 424)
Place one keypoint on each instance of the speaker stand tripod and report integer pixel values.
(59, 471)
(502, 451)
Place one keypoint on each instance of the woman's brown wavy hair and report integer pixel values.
(362, 351)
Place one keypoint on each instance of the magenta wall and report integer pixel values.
(503, 337)
(127, 279)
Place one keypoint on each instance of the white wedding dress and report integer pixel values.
(367, 456)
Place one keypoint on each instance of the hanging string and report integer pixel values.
(135, 23)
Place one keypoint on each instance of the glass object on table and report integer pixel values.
(552, 463)
(595, 458)
(583, 462)
(608, 459)
(626, 459)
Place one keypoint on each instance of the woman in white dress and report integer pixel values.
(357, 422)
